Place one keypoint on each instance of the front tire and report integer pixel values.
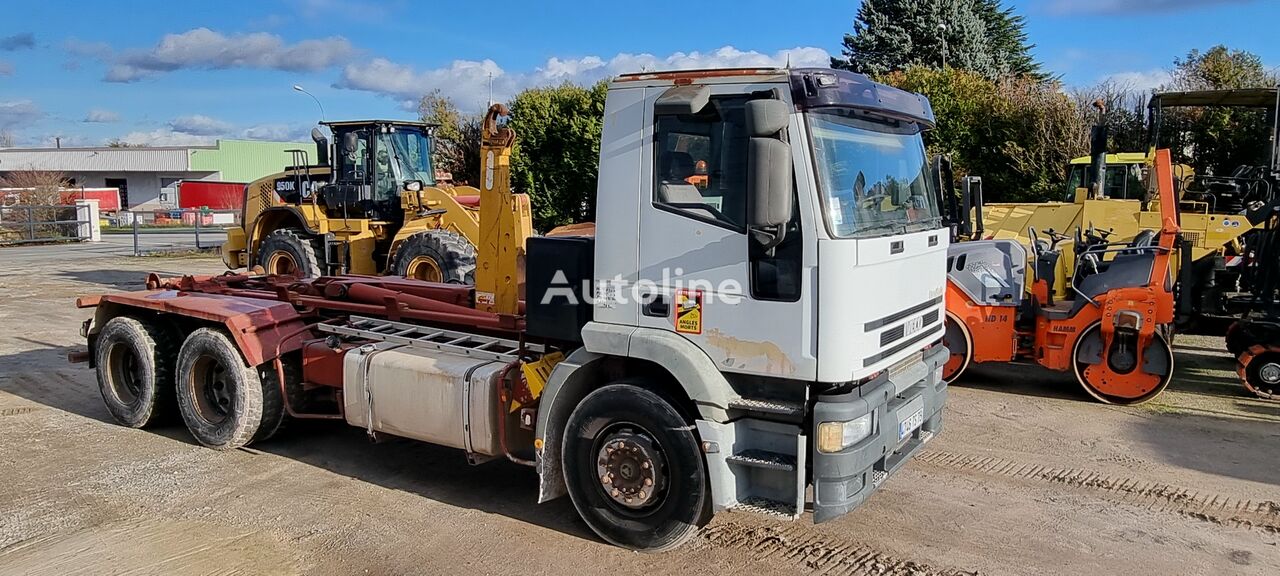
(135, 361)
(436, 256)
(220, 396)
(1110, 386)
(634, 470)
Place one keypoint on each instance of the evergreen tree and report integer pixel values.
(980, 35)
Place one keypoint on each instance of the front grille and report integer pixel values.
(896, 333)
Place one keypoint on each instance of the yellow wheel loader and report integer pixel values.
(370, 204)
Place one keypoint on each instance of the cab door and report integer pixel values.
(701, 275)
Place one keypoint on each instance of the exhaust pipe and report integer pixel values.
(1098, 152)
(322, 147)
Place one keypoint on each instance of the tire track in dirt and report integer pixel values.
(817, 553)
(1217, 509)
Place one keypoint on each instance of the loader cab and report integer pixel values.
(373, 163)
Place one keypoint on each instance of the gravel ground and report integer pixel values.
(1029, 477)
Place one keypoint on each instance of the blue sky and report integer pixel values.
(179, 73)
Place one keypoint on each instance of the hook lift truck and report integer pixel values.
(1113, 330)
(712, 347)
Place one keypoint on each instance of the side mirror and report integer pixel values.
(770, 177)
(350, 142)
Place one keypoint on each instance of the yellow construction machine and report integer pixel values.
(370, 204)
(1107, 201)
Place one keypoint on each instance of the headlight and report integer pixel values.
(836, 436)
(413, 185)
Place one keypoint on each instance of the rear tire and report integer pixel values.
(658, 494)
(289, 252)
(220, 396)
(135, 362)
(436, 256)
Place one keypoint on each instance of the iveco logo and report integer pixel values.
(913, 325)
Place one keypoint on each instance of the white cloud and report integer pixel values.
(1073, 7)
(1143, 81)
(202, 48)
(19, 114)
(467, 81)
(166, 137)
(199, 125)
(277, 133)
(100, 116)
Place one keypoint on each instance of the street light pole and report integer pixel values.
(943, 31)
(313, 97)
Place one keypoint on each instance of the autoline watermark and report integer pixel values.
(618, 291)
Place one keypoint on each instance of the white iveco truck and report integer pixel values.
(759, 311)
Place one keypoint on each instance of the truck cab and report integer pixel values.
(794, 289)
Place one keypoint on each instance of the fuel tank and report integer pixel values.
(427, 395)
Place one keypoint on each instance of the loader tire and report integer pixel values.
(289, 252)
(220, 396)
(436, 256)
(135, 362)
(657, 493)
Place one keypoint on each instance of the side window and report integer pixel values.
(1117, 177)
(701, 163)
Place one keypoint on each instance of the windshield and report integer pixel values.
(873, 175)
(409, 153)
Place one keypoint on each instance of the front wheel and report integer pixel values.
(1117, 373)
(634, 470)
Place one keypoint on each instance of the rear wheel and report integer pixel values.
(220, 396)
(289, 252)
(436, 256)
(1259, 369)
(1118, 374)
(634, 470)
(135, 370)
(960, 345)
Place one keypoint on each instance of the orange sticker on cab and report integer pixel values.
(689, 311)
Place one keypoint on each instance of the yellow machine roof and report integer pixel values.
(1118, 158)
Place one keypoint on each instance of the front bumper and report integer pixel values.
(843, 480)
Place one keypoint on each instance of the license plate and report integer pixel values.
(909, 424)
(913, 325)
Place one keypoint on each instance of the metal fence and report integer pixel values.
(183, 230)
(32, 223)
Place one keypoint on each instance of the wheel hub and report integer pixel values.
(627, 469)
(1269, 373)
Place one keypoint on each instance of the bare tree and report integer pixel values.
(6, 139)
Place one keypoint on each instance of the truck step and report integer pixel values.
(764, 459)
(758, 505)
(781, 407)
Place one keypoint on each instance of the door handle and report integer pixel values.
(657, 306)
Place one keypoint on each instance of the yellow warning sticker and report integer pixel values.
(689, 311)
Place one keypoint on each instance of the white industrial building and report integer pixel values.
(148, 177)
